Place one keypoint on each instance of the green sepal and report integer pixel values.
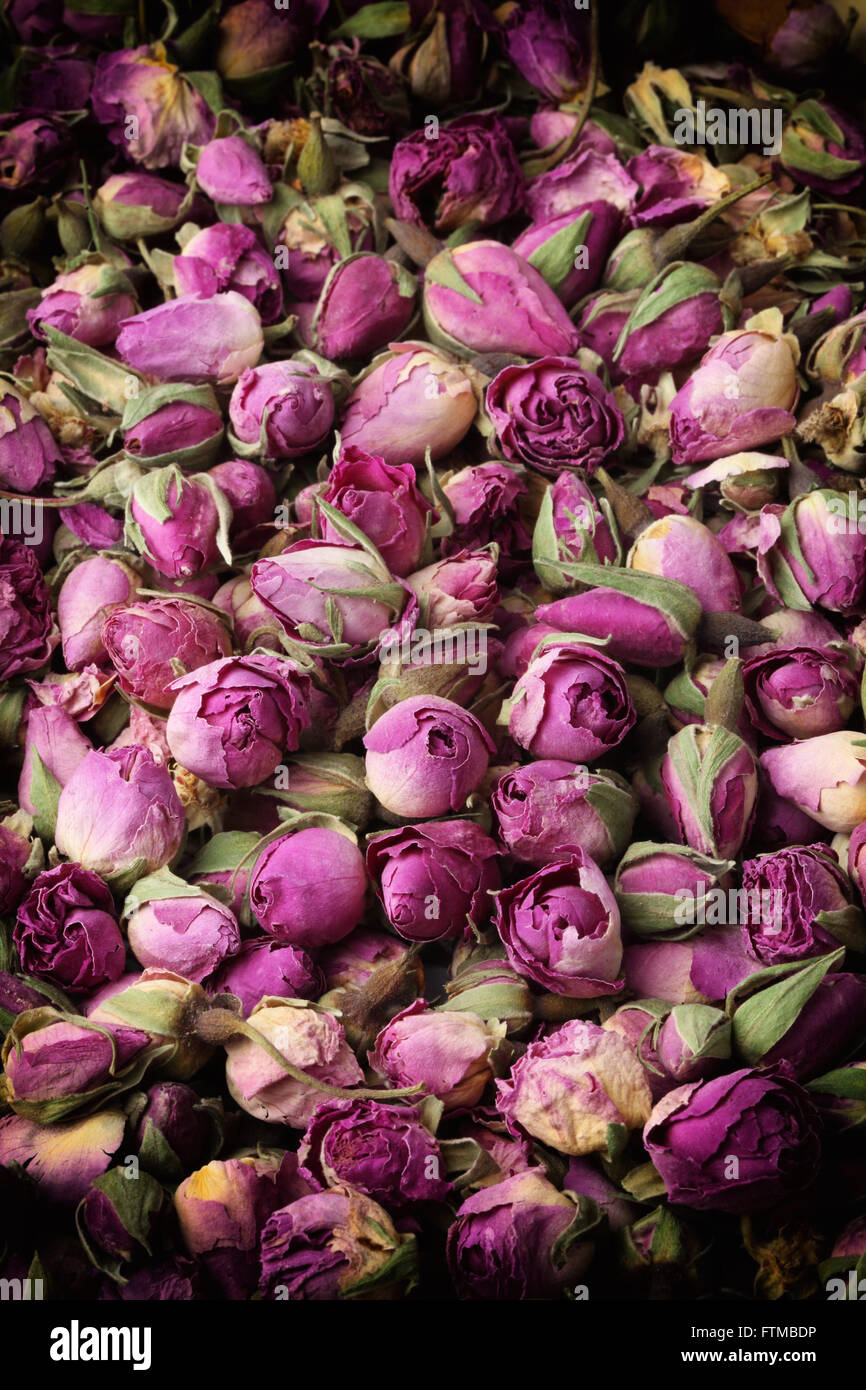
(554, 258)
(767, 1004)
(44, 793)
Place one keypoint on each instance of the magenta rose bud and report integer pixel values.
(548, 42)
(469, 174)
(14, 854)
(434, 880)
(54, 744)
(354, 959)
(67, 931)
(549, 808)
(483, 297)
(383, 501)
(485, 500)
(711, 783)
(289, 401)
(584, 179)
(119, 814)
(825, 777)
(229, 170)
(682, 548)
(309, 887)
(196, 338)
(268, 968)
(250, 492)
(173, 424)
(58, 1065)
(462, 589)
(366, 302)
(147, 642)
(87, 304)
(552, 415)
(311, 1040)
(813, 552)
(694, 1042)
(28, 451)
(742, 395)
(132, 205)
(190, 935)
(233, 719)
(383, 1151)
(583, 529)
(229, 256)
(737, 1143)
(511, 1241)
(448, 1052)
(801, 692)
(254, 624)
(571, 702)
(569, 1087)
(176, 521)
(425, 756)
(88, 595)
(570, 251)
(173, 1122)
(793, 898)
(561, 928)
(27, 632)
(311, 588)
(412, 399)
(148, 107)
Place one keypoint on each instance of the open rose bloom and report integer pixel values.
(433, 656)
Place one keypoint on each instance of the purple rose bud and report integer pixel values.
(411, 400)
(824, 149)
(737, 1143)
(813, 552)
(553, 415)
(366, 303)
(27, 632)
(263, 968)
(311, 585)
(434, 879)
(793, 899)
(309, 236)
(229, 256)
(328, 1244)
(383, 1151)
(570, 250)
(581, 181)
(174, 1130)
(655, 884)
(89, 594)
(32, 152)
(62, 1159)
(548, 42)
(601, 324)
(448, 1052)
(825, 777)
(87, 304)
(682, 548)
(195, 338)
(572, 702)
(742, 395)
(54, 747)
(177, 521)
(28, 452)
(250, 491)
(190, 935)
(425, 756)
(132, 205)
(549, 808)
(312, 1040)
(702, 970)
(675, 185)
(14, 854)
(148, 107)
(711, 783)
(173, 424)
(825, 1029)
(285, 407)
(58, 1065)
(483, 297)
(778, 822)
(120, 1223)
(561, 928)
(801, 692)
(642, 618)
(67, 931)
(119, 814)
(568, 1087)
(485, 500)
(353, 960)
(583, 529)
(517, 1239)
(462, 589)
(233, 719)
(147, 643)
(230, 170)
(254, 624)
(222, 1208)
(471, 171)
(308, 887)
(360, 91)
(384, 502)
(694, 1042)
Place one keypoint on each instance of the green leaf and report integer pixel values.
(382, 20)
(765, 1017)
(44, 795)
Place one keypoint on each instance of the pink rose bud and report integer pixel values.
(411, 399)
(28, 452)
(54, 746)
(191, 934)
(825, 777)
(801, 692)
(383, 501)
(462, 589)
(485, 500)
(711, 784)
(254, 624)
(233, 719)
(250, 491)
(679, 547)
(58, 1065)
(87, 304)
(311, 1040)
(813, 551)
(90, 592)
(178, 522)
(166, 109)
(309, 887)
(434, 880)
(448, 1052)
(230, 170)
(62, 1177)
(194, 338)
(571, 702)
(229, 256)
(263, 967)
(310, 588)
(551, 415)
(120, 815)
(569, 1087)
(67, 931)
(173, 424)
(550, 808)
(482, 297)
(284, 408)
(150, 644)
(132, 205)
(366, 303)
(425, 756)
(470, 173)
